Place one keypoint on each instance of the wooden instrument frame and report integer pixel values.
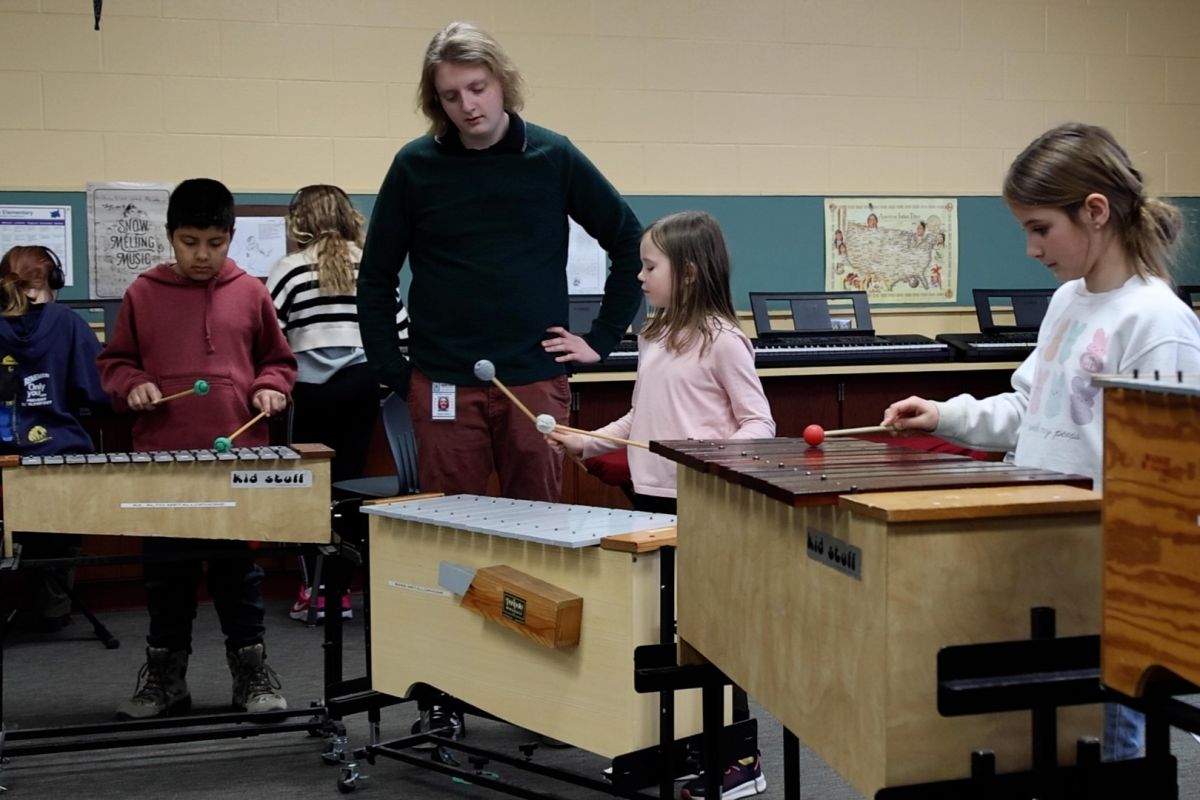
(1151, 625)
(97, 498)
(848, 663)
(582, 695)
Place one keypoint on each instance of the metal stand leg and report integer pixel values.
(1044, 718)
(713, 712)
(102, 633)
(666, 698)
(791, 766)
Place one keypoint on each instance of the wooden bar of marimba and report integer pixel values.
(275, 494)
(1151, 531)
(422, 630)
(824, 581)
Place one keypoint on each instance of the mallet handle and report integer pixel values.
(516, 402)
(598, 435)
(245, 427)
(175, 396)
(857, 431)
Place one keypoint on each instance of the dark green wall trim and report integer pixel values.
(776, 241)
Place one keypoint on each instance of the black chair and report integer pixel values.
(348, 496)
(398, 427)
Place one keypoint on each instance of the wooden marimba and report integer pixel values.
(426, 629)
(824, 581)
(1151, 531)
(276, 494)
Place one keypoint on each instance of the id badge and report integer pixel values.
(443, 401)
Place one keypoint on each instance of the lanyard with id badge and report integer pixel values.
(442, 401)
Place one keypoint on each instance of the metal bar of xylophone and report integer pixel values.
(275, 494)
(790, 471)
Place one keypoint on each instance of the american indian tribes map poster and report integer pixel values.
(896, 249)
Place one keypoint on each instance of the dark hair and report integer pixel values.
(700, 266)
(200, 203)
(1067, 163)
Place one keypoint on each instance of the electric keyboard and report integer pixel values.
(800, 351)
(1002, 342)
(623, 358)
(991, 346)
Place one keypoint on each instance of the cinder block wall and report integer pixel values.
(667, 96)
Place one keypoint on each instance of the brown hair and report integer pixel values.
(463, 43)
(1067, 163)
(324, 214)
(23, 269)
(695, 247)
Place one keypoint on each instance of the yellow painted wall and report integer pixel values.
(667, 96)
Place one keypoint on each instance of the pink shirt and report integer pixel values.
(716, 395)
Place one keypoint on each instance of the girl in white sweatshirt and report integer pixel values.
(1087, 218)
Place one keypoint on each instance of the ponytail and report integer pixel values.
(335, 266)
(1154, 236)
(322, 216)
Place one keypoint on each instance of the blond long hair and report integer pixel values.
(464, 43)
(1067, 163)
(700, 267)
(323, 214)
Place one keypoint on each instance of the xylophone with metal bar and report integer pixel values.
(275, 494)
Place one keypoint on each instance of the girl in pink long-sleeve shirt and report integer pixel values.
(695, 379)
(696, 375)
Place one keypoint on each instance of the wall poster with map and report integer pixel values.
(896, 249)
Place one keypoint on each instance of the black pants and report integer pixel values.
(50, 600)
(668, 505)
(341, 414)
(234, 582)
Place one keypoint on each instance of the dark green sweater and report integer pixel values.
(485, 233)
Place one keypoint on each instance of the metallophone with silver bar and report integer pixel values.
(851, 564)
(272, 494)
(276, 494)
(529, 611)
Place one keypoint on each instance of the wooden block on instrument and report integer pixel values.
(313, 450)
(640, 542)
(532, 607)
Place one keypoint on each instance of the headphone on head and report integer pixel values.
(55, 278)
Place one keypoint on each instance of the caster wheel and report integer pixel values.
(333, 759)
(348, 781)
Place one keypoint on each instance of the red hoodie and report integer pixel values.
(172, 330)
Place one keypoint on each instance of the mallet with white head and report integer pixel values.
(486, 371)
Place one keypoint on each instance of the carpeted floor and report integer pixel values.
(68, 677)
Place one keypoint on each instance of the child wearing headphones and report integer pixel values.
(47, 374)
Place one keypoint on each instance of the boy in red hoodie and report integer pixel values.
(199, 317)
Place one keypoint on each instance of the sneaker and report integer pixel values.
(161, 686)
(740, 780)
(301, 605)
(255, 685)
